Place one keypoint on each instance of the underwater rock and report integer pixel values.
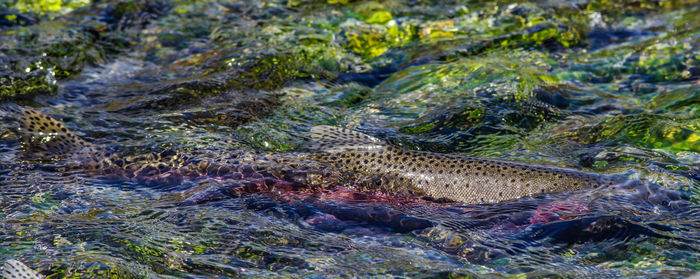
(11, 19)
(581, 230)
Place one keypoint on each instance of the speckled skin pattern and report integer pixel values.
(42, 134)
(13, 269)
(440, 176)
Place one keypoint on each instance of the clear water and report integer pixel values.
(609, 88)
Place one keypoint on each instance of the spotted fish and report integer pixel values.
(359, 159)
(442, 176)
(42, 134)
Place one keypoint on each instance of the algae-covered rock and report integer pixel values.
(10, 18)
(372, 40)
(34, 82)
(648, 131)
(35, 56)
(294, 42)
(476, 95)
(65, 38)
(46, 8)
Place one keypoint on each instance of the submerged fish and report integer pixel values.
(42, 134)
(338, 156)
(442, 176)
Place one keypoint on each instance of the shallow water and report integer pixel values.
(608, 88)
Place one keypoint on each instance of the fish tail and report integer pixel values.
(40, 133)
(16, 269)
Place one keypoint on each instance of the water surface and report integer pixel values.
(604, 87)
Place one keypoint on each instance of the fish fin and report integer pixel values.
(41, 132)
(333, 139)
(16, 269)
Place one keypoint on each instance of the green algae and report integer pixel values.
(668, 56)
(37, 82)
(47, 7)
(648, 131)
(36, 56)
(45, 202)
(368, 30)
(453, 96)
(681, 100)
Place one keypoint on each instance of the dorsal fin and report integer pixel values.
(333, 139)
(16, 269)
(42, 132)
